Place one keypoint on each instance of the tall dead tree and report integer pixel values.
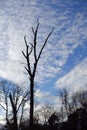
(31, 49)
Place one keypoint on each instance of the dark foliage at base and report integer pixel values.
(76, 121)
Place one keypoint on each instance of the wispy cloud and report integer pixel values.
(17, 17)
(76, 79)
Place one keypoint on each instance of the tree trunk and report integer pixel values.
(31, 102)
(14, 112)
(15, 121)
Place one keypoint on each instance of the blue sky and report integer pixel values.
(64, 60)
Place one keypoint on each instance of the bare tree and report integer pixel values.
(13, 99)
(66, 102)
(74, 101)
(47, 110)
(31, 49)
(17, 100)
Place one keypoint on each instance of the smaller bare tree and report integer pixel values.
(18, 99)
(14, 99)
(66, 103)
(47, 110)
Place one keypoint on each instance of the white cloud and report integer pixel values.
(46, 97)
(16, 20)
(38, 93)
(76, 79)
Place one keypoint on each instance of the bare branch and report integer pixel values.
(44, 44)
(12, 102)
(27, 55)
(29, 67)
(25, 40)
(18, 91)
(30, 51)
(35, 41)
(33, 30)
(3, 107)
(22, 114)
(37, 27)
(31, 44)
(26, 69)
(23, 100)
(24, 54)
(37, 59)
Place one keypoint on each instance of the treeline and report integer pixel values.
(72, 113)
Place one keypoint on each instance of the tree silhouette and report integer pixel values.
(78, 120)
(13, 101)
(47, 110)
(53, 120)
(15, 95)
(31, 49)
(66, 103)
